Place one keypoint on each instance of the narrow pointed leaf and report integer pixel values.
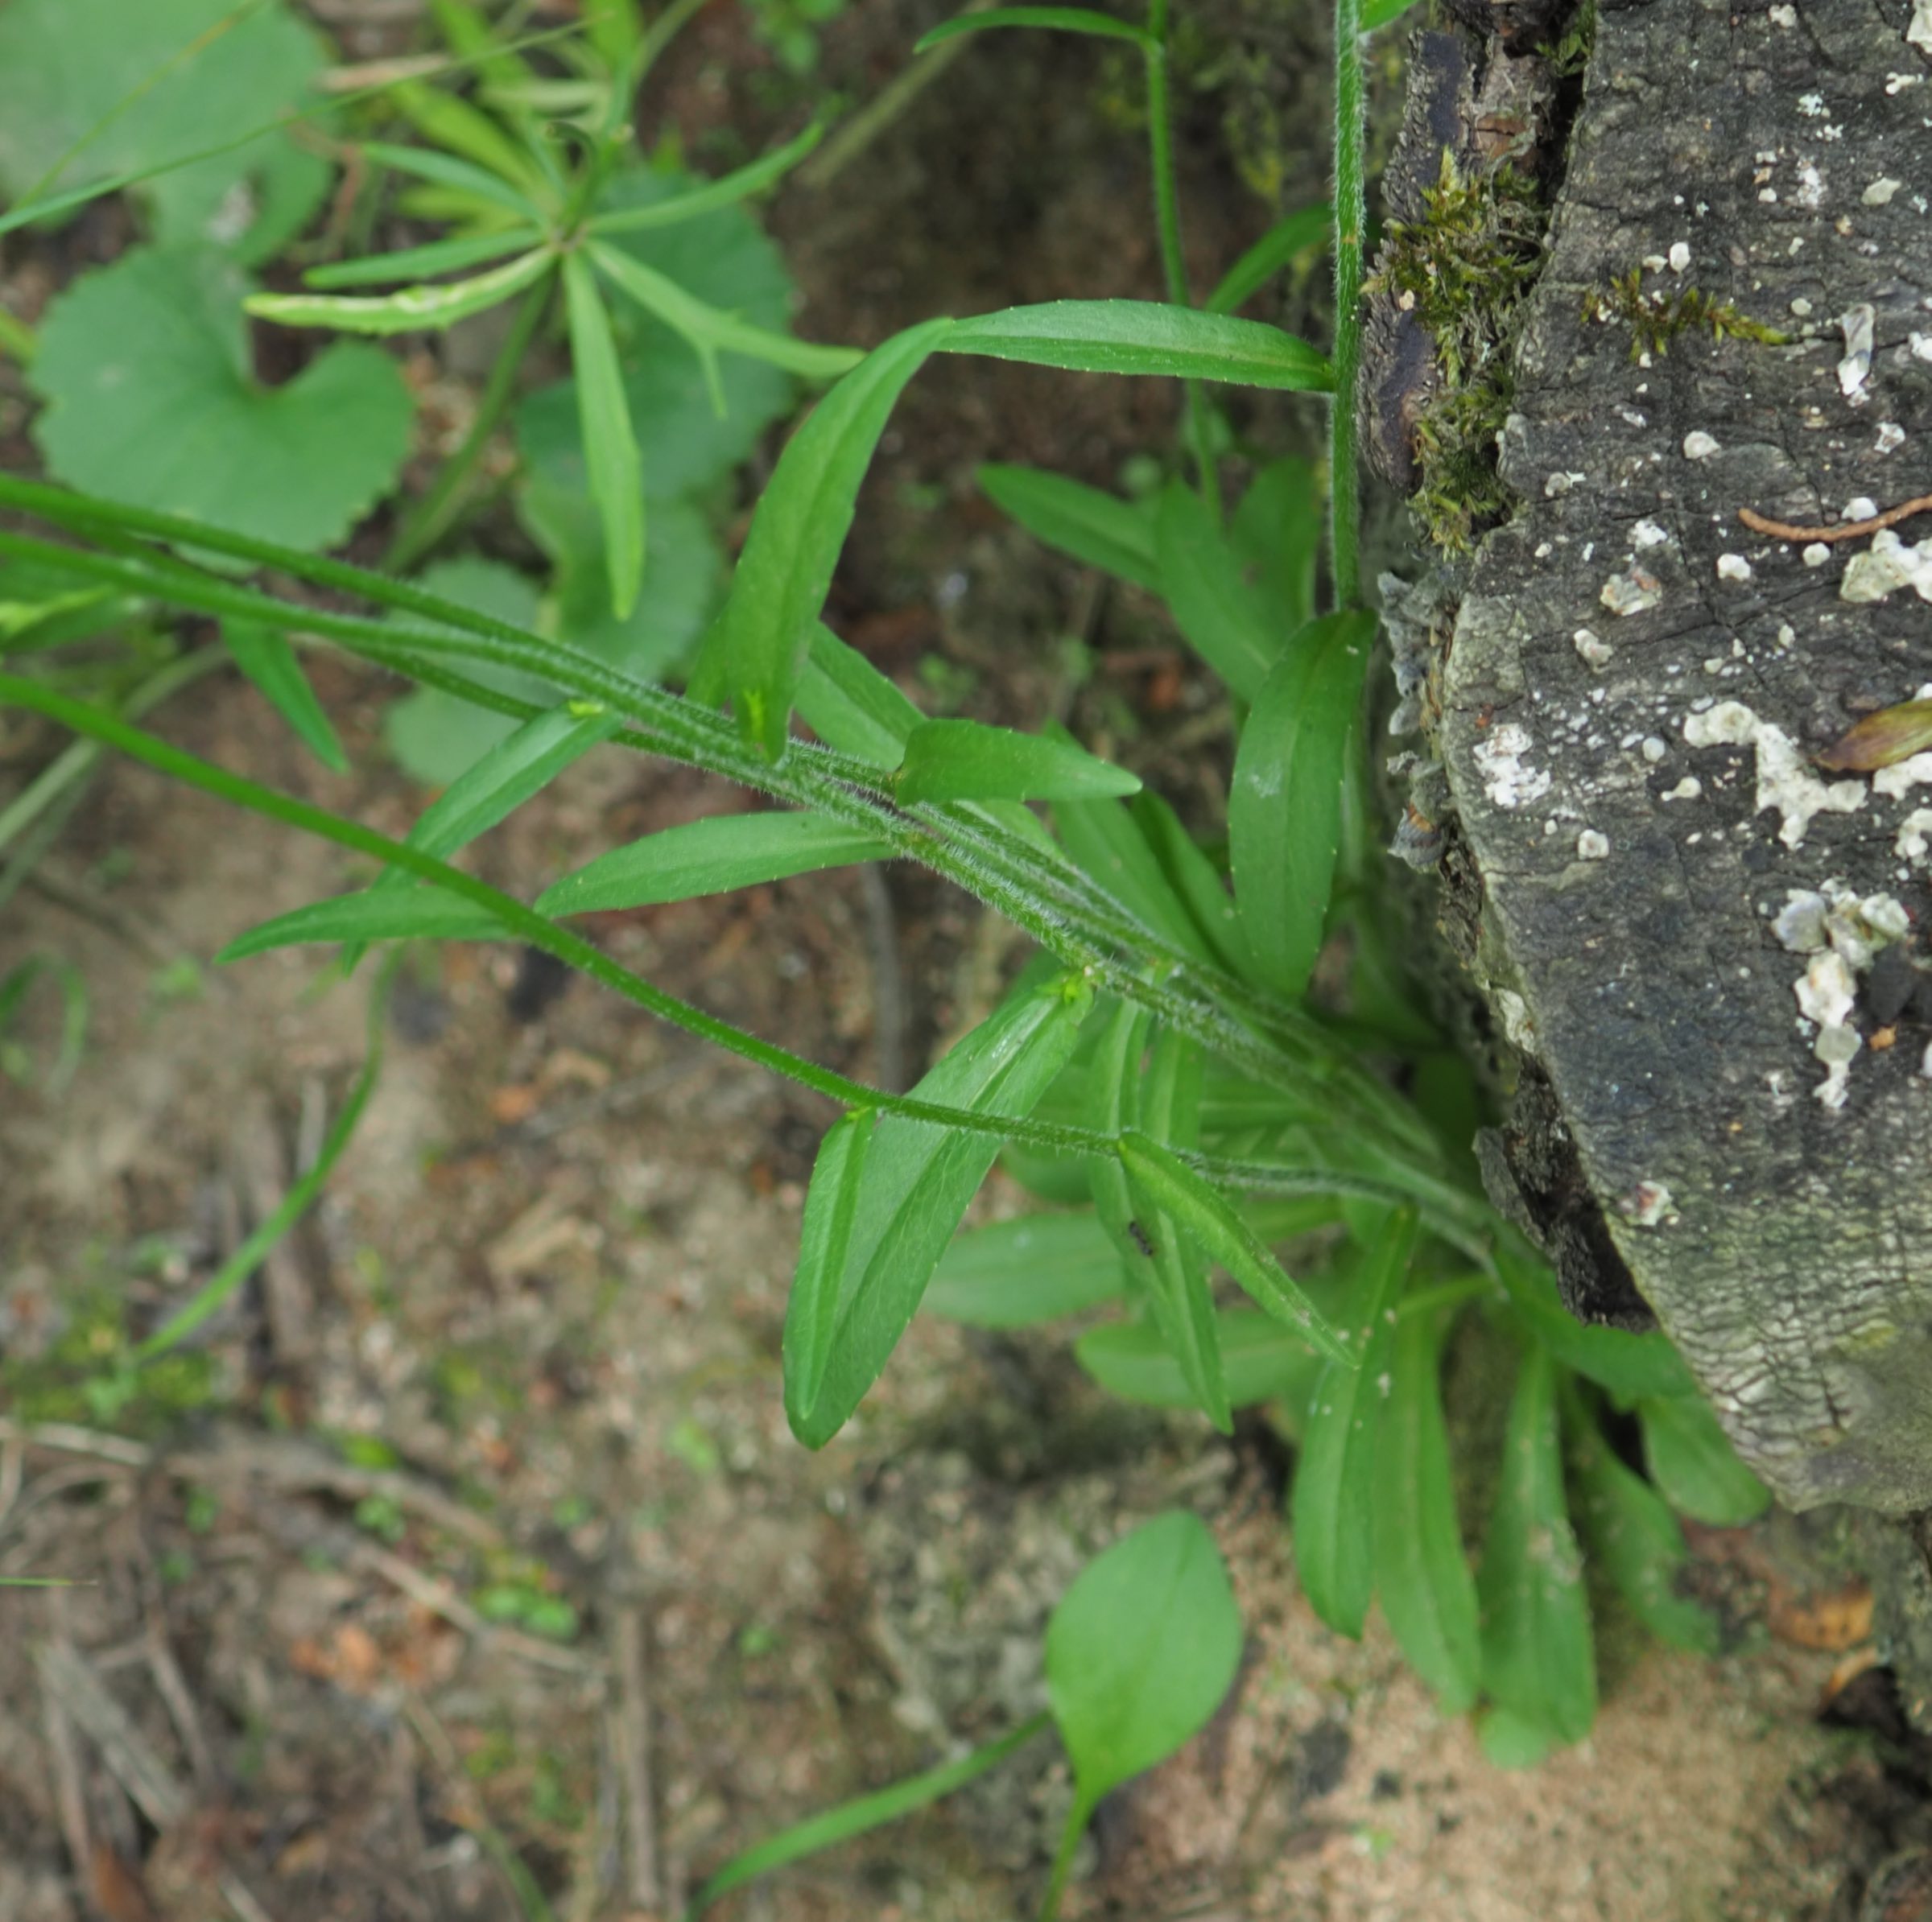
(1636, 1540)
(967, 760)
(1381, 13)
(1422, 1577)
(1538, 1665)
(1196, 883)
(831, 1205)
(710, 857)
(1298, 233)
(610, 446)
(851, 706)
(408, 311)
(1145, 337)
(709, 329)
(1098, 529)
(1214, 608)
(1332, 1507)
(1695, 1468)
(1104, 840)
(1276, 535)
(756, 654)
(919, 1180)
(1203, 1211)
(1285, 809)
(1629, 1366)
(418, 263)
(1016, 1274)
(417, 913)
(461, 176)
(1262, 1361)
(1052, 19)
(268, 660)
(1141, 1651)
(740, 184)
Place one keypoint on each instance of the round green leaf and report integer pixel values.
(1141, 1650)
(150, 399)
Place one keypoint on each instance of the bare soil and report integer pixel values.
(482, 1540)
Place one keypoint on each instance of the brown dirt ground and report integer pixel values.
(549, 1277)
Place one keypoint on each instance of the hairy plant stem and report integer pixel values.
(1193, 1000)
(524, 923)
(438, 510)
(1344, 492)
(1167, 220)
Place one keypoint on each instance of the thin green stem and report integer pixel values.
(16, 338)
(1077, 1818)
(660, 34)
(216, 1291)
(1350, 215)
(525, 924)
(1167, 222)
(437, 512)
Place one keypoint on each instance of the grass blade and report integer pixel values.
(1218, 613)
(1052, 19)
(268, 660)
(611, 458)
(418, 263)
(1145, 337)
(408, 913)
(739, 184)
(710, 856)
(461, 176)
(409, 310)
(1298, 233)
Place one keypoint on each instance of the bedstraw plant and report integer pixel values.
(1162, 1070)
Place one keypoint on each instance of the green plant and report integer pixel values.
(1172, 1062)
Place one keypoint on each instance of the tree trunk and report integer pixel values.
(1704, 945)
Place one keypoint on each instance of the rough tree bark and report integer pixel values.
(1703, 945)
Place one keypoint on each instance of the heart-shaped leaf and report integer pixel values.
(144, 368)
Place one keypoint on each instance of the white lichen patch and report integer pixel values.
(1785, 779)
(1919, 32)
(1914, 839)
(1647, 533)
(1557, 485)
(1897, 781)
(1632, 591)
(1654, 748)
(1699, 446)
(1885, 567)
(1921, 345)
(1680, 257)
(1501, 758)
(1733, 566)
(1891, 438)
(1689, 789)
(1648, 1205)
(1519, 1025)
(1593, 650)
(1591, 846)
(1856, 323)
(1880, 192)
(1843, 933)
(1816, 554)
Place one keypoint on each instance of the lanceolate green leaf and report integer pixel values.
(1053, 19)
(1260, 1362)
(831, 1205)
(710, 857)
(1213, 606)
(610, 447)
(1100, 529)
(1422, 1576)
(1148, 337)
(756, 654)
(1016, 1274)
(1196, 883)
(268, 660)
(920, 1180)
(446, 170)
(1332, 1507)
(409, 311)
(1537, 1661)
(1300, 232)
(711, 332)
(1285, 809)
(414, 914)
(1140, 1651)
(1104, 839)
(1629, 1366)
(1693, 1465)
(1202, 1211)
(967, 760)
(851, 706)
(1178, 1292)
(738, 185)
(417, 263)
(1635, 1540)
